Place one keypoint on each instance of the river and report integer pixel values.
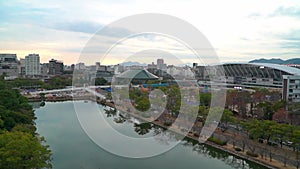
(72, 148)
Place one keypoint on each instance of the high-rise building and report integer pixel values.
(9, 64)
(32, 65)
(56, 67)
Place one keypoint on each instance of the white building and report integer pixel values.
(291, 88)
(32, 65)
(180, 72)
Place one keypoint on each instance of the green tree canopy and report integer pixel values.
(23, 150)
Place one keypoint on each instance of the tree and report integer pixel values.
(23, 150)
(296, 141)
(109, 96)
(100, 81)
(142, 128)
(237, 101)
(142, 104)
(205, 99)
(173, 99)
(267, 109)
(20, 146)
(227, 117)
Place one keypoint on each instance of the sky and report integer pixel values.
(238, 30)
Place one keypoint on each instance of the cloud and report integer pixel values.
(290, 35)
(255, 15)
(292, 11)
(80, 26)
(290, 40)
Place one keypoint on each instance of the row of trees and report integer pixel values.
(20, 145)
(53, 83)
(273, 131)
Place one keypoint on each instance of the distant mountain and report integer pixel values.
(293, 61)
(277, 61)
(133, 63)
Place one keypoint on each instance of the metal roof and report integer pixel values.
(139, 74)
(284, 68)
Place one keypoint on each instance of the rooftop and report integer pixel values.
(139, 74)
(284, 68)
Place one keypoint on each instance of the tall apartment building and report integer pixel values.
(56, 67)
(32, 65)
(9, 65)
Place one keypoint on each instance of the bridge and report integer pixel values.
(89, 89)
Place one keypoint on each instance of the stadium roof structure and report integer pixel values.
(139, 74)
(284, 68)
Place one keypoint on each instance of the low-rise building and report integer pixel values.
(9, 65)
(56, 67)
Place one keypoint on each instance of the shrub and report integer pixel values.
(167, 123)
(237, 149)
(196, 134)
(249, 153)
(217, 141)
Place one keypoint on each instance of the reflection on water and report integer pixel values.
(142, 128)
(73, 149)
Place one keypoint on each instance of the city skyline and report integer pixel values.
(153, 60)
(54, 30)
